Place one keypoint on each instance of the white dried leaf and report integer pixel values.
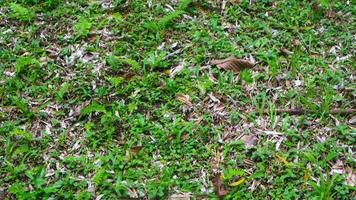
(249, 141)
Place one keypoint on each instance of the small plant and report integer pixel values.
(62, 91)
(52, 4)
(82, 28)
(323, 189)
(21, 13)
(156, 60)
(27, 68)
(166, 20)
(246, 76)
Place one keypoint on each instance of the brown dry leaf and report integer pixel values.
(232, 63)
(285, 51)
(337, 168)
(249, 141)
(314, 55)
(352, 121)
(330, 14)
(315, 7)
(184, 99)
(351, 177)
(135, 149)
(180, 196)
(219, 189)
(296, 42)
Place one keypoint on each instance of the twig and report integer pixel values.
(301, 111)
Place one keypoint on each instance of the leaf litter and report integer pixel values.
(232, 63)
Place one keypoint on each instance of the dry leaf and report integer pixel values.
(87, 57)
(232, 63)
(176, 70)
(337, 168)
(296, 42)
(314, 55)
(182, 196)
(135, 149)
(219, 189)
(285, 51)
(184, 99)
(352, 121)
(282, 159)
(237, 183)
(306, 176)
(249, 141)
(351, 177)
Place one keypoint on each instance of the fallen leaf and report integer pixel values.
(337, 168)
(184, 99)
(315, 7)
(306, 175)
(176, 70)
(232, 63)
(330, 14)
(219, 189)
(296, 42)
(167, 72)
(352, 121)
(87, 57)
(237, 183)
(282, 159)
(314, 55)
(182, 196)
(351, 177)
(285, 51)
(135, 149)
(249, 141)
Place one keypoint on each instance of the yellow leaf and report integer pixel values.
(282, 159)
(306, 175)
(237, 183)
(167, 72)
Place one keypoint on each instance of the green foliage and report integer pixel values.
(93, 107)
(156, 60)
(52, 4)
(167, 19)
(183, 4)
(21, 13)
(246, 76)
(61, 92)
(324, 189)
(82, 27)
(26, 65)
(131, 121)
(135, 65)
(22, 134)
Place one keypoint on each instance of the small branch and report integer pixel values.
(301, 111)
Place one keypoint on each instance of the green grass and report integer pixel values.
(89, 107)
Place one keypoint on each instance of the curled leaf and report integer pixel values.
(237, 183)
(232, 63)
